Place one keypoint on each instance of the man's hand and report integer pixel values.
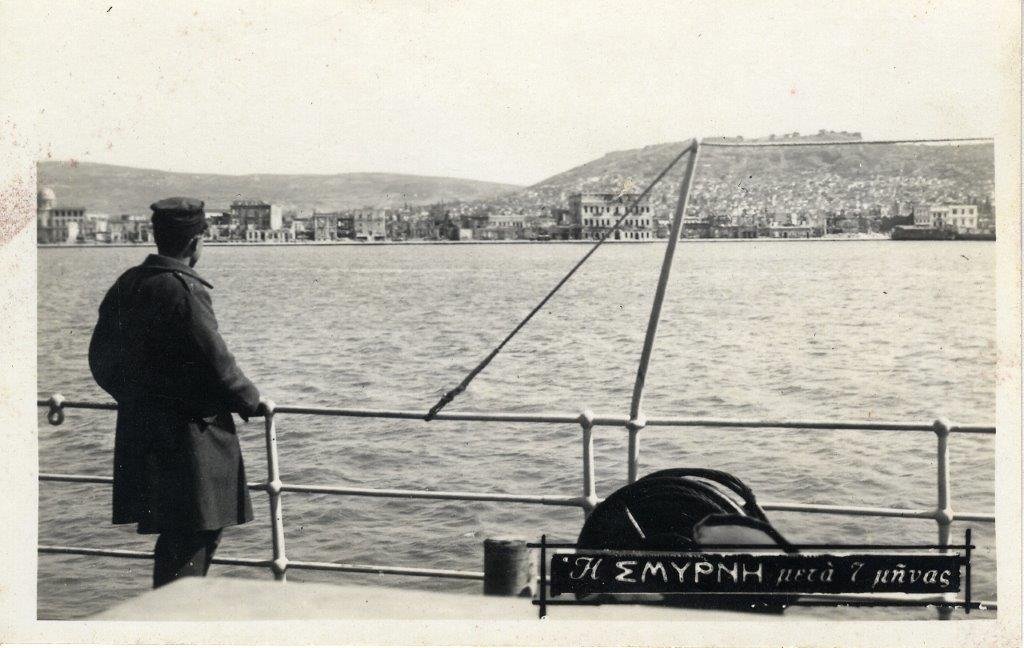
(262, 409)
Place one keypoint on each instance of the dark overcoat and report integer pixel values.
(157, 351)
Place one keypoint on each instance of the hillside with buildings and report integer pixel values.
(731, 182)
(911, 191)
(126, 190)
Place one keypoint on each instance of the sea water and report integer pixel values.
(750, 330)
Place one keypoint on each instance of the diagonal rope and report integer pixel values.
(461, 387)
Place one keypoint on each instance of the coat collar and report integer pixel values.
(167, 264)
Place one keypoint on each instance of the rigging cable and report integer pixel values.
(448, 397)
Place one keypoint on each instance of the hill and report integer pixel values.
(782, 179)
(729, 181)
(119, 189)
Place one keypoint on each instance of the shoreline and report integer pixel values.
(92, 246)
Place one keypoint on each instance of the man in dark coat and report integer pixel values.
(178, 466)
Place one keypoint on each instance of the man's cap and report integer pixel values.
(179, 214)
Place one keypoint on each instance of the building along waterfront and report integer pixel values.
(594, 214)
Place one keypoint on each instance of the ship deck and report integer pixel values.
(242, 599)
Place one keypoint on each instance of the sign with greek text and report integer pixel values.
(633, 572)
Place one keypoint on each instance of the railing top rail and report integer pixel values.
(891, 426)
(605, 421)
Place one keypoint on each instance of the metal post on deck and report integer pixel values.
(636, 421)
(509, 568)
(589, 488)
(943, 508)
(279, 565)
(967, 570)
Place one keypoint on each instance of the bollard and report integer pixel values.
(508, 567)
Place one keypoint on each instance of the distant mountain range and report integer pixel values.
(118, 189)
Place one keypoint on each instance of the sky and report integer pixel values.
(509, 92)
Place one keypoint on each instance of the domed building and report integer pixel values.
(57, 224)
(45, 199)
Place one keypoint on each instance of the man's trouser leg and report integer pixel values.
(183, 553)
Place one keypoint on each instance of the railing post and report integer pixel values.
(280, 562)
(589, 488)
(634, 427)
(943, 508)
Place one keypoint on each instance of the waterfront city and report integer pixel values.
(942, 192)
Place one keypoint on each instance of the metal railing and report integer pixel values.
(943, 514)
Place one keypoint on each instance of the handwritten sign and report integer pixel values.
(633, 572)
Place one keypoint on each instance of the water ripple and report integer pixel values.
(809, 330)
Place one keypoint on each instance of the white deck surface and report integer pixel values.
(236, 599)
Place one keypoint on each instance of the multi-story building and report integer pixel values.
(259, 221)
(474, 221)
(422, 226)
(398, 228)
(962, 218)
(257, 215)
(58, 224)
(68, 223)
(596, 213)
(369, 224)
(301, 227)
(141, 228)
(508, 221)
(501, 227)
(324, 227)
(120, 229)
(330, 226)
(96, 227)
(220, 224)
(800, 225)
